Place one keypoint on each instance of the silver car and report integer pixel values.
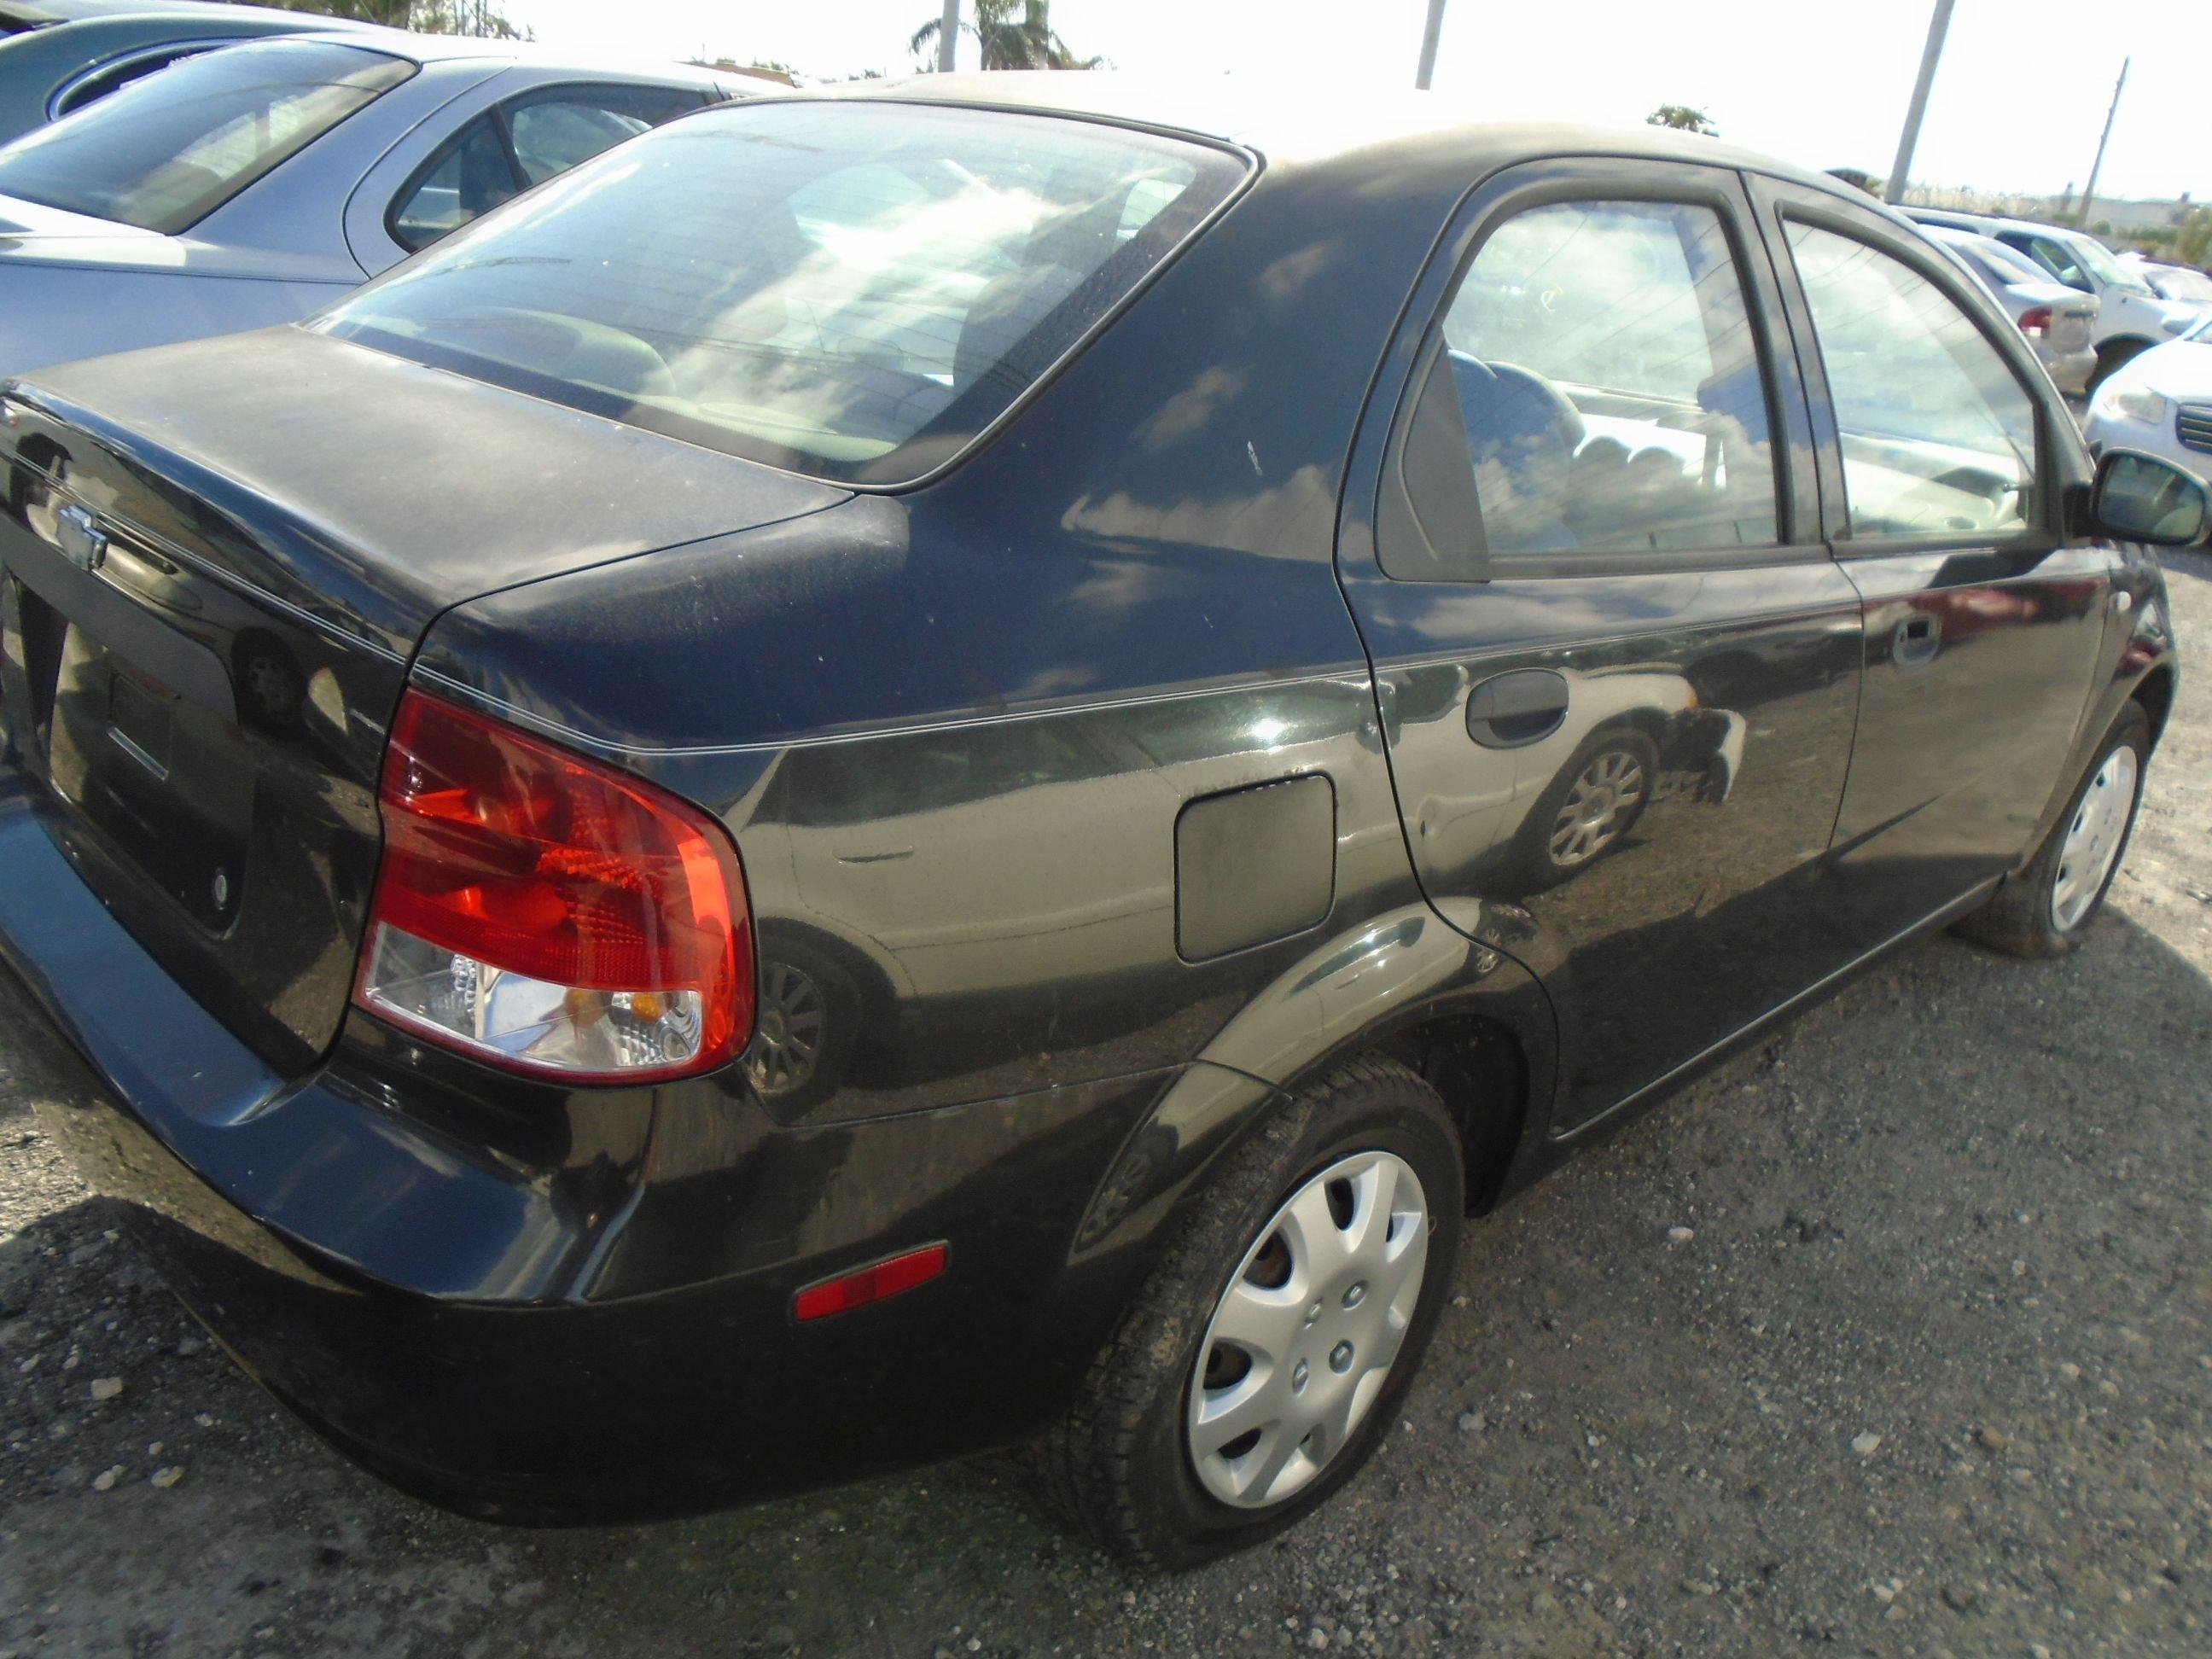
(2060, 322)
(252, 186)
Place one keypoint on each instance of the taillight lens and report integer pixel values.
(543, 912)
(2035, 321)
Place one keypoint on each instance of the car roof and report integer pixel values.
(1985, 224)
(427, 49)
(41, 12)
(1294, 121)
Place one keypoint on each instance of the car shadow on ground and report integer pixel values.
(1844, 1392)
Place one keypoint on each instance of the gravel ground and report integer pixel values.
(1896, 1335)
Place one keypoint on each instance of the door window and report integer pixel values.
(1609, 386)
(1939, 435)
(554, 132)
(525, 142)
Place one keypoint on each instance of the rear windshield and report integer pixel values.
(850, 289)
(165, 152)
(2005, 266)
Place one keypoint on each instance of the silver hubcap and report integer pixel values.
(2093, 840)
(1597, 808)
(792, 1021)
(1305, 1335)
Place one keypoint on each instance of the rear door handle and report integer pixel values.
(1915, 640)
(1511, 711)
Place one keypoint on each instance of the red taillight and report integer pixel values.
(872, 1283)
(2035, 321)
(543, 911)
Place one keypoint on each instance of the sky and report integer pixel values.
(2017, 105)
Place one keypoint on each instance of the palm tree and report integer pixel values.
(1015, 34)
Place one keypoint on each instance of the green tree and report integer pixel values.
(1015, 34)
(2192, 243)
(1682, 118)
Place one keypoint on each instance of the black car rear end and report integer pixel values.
(497, 1290)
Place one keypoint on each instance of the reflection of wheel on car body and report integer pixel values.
(1590, 808)
(803, 1033)
(1266, 1358)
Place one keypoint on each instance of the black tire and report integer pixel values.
(2019, 918)
(1536, 867)
(1118, 1467)
(2111, 359)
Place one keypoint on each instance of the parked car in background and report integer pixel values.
(1267, 803)
(2130, 315)
(46, 73)
(2160, 402)
(2060, 322)
(251, 184)
(22, 16)
(2172, 281)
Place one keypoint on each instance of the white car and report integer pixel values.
(2172, 281)
(2059, 322)
(2160, 402)
(254, 185)
(2130, 316)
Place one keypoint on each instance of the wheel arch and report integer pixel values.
(2154, 691)
(1409, 984)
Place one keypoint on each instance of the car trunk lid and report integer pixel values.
(215, 562)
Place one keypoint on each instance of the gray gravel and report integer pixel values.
(1896, 1335)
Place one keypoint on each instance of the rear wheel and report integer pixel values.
(2045, 910)
(1266, 1359)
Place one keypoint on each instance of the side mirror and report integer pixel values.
(2141, 498)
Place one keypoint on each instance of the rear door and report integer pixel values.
(1983, 626)
(1617, 669)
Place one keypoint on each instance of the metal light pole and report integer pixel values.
(948, 36)
(1893, 191)
(1430, 32)
(2089, 194)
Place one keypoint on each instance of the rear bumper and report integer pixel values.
(2070, 371)
(601, 1331)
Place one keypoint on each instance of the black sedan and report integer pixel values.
(960, 764)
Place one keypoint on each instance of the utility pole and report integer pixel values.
(1430, 33)
(1893, 191)
(948, 36)
(2089, 190)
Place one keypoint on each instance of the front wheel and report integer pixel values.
(2112, 358)
(2045, 910)
(1266, 1359)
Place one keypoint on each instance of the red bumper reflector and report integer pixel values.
(869, 1283)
